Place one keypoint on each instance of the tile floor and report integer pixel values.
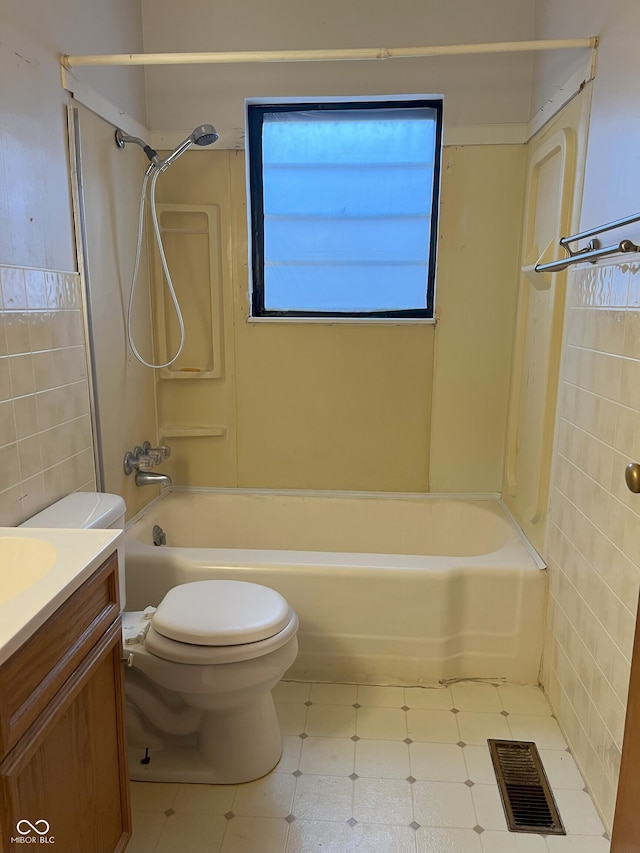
(377, 770)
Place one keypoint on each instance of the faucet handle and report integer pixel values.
(158, 453)
(146, 462)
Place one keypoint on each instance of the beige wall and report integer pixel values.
(349, 406)
(482, 197)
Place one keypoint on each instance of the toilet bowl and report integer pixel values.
(200, 668)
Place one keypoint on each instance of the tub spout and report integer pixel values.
(151, 478)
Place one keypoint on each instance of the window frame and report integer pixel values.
(255, 110)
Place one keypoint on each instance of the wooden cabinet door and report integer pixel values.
(67, 778)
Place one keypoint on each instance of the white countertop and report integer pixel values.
(78, 553)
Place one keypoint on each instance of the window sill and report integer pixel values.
(347, 321)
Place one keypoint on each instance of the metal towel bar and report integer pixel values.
(593, 251)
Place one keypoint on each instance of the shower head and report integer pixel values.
(123, 138)
(204, 134)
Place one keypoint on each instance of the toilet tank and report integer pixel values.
(86, 510)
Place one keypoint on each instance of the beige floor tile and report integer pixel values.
(381, 723)
(331, 721)
(380, 838)
(184, 833)
(561, 769)
(381, 697)
(309, 836)
(382, 759)
(443, 804)
(153, 796)
(204, 799)
(291, 717)
(382, 801)
(474, 696)
(147, 828)
(271, 796)
(433, 698)
(291, 749)
(255, 835)
(323, 798)
(510, 842)
(479, 764)
(476, 727)
(578, 813)
(488, 806)
(431, 839)
(433, 725)
(544, 731)
(334, 694)
(524, 699)
(326, 756)
(575, 844)
(291, 691)
(438, 762)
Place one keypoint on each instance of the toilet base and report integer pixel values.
(234, 746)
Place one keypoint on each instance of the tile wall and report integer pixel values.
(46, 448)
(593, 547)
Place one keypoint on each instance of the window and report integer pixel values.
(343, 207)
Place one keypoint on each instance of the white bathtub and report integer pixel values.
(389, 589)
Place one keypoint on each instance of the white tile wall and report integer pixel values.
(46, 448)
(593, 546)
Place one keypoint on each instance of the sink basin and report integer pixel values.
(24, 560)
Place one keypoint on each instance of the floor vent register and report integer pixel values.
(528, 802)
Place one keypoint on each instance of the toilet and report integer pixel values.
(200, 667)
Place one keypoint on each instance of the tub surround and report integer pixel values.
(451, 590)
(75, 555)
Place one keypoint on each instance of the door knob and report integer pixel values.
(632, 477)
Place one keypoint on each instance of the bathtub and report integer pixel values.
(389, 589)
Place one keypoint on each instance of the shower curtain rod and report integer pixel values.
(71, 61)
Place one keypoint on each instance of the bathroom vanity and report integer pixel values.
(63, 770)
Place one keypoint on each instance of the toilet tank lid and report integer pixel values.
(81, 510)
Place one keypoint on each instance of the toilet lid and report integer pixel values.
(221, 613)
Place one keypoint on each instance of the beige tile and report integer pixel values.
(488, 806)
(291, 718)
(204, 799)
(291, 691)
(323, 798)
(291, 749)
(270, 796)
(251, 834)
(443, 804)
(545, 731)
(7, 423)
(382, 801)
(471, 696)
(22, 375)
(479, 764)
(509, 842)
(9, 467)
(381, 697)
(436, 726)
(577, 844)
(375, 838)
(561, 769)
(331, 721)
(147, 828)
(382, 759)
(5, 379)
(430, 839)
(153, 796)
(477, 727)
(327, 756)
(440, 762)
(578, 812)
(306, 836)
(16, 326)
(381, 723)
(524, 699)
(433, 698)
(334, 694)
(192, 833)
(26, 415)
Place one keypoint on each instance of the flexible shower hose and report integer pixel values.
(152, 170)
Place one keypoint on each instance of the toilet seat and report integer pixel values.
(199, 655)
(221, 613)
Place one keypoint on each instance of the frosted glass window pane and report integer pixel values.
(345, 202)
